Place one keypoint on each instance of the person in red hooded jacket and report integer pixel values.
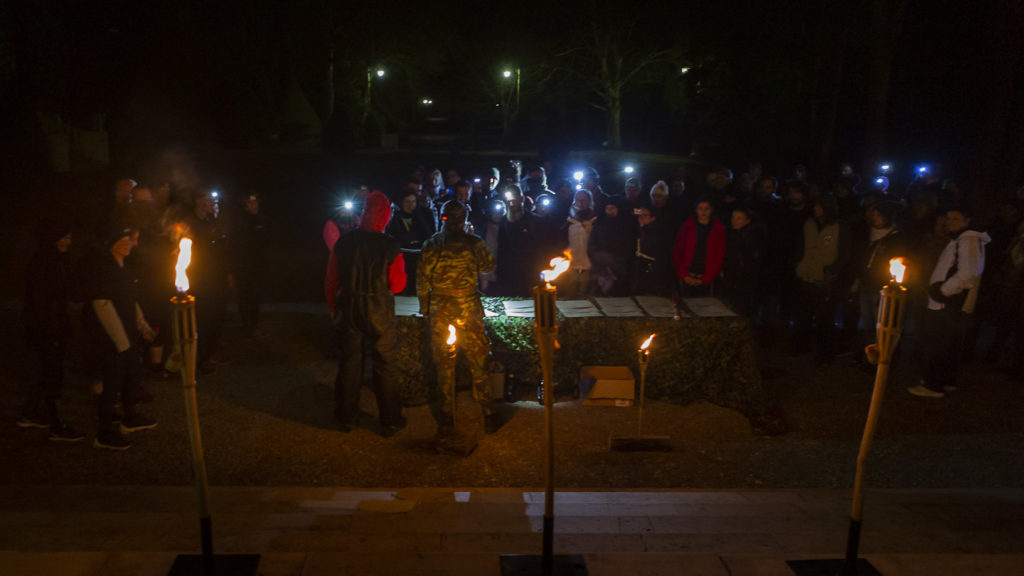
(699, 251)
(371, 271)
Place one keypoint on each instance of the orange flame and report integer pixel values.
(558, 265)
(451, 336)
(897, 269)
(184, 259)
(647, 342)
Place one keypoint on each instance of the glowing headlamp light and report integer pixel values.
(578, 175)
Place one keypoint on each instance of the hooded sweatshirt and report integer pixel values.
(959, 268)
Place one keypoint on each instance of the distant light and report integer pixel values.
(923, 169)
(579, 186)
(427, 101)
(879, 180)
(684, 69)
(507, 73)
(578, 175)
(380, 73)
(628, 169)
(497, 105)
(499, 206)
(885, 167)
(214, 194)
(545, 201)
(348, 205)
(476, 180)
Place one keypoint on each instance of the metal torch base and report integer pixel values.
(530, 564)
(832, 567)
(215, 565)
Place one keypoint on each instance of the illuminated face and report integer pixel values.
(704, 212)
(877, 220)
(462, 194)
(739, 220)
(64, 243)
(659, 200)
(956, 221)
(644, 217)
(252, 205)
(611, 210)
(123, 191)
(581, 202)
(205, 206)
(409, 203)
(492, 182)
(765, 188)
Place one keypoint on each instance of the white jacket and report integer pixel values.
(967, 251)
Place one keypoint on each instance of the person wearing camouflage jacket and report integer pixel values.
(446, 285)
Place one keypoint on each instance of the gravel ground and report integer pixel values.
(266, 421)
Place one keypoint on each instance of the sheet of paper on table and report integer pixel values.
(578, 309)
(708, 307)
(519, 308)
(658, 307)
(619, 307)
(406, 305)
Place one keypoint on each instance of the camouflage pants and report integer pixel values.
(466, 314)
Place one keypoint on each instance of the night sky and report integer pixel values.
(780, 82)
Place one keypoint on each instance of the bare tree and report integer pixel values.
(609, 55)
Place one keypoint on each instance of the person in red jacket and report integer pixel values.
(699, 251)
(370, 271)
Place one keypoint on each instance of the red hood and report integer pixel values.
(377, 212)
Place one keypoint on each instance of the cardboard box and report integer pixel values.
(607, 386)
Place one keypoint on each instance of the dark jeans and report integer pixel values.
(354, 345)
(814, 315)
(942, 336)
(50, 353)
(211, 309)
(250, 297)
(122, 375)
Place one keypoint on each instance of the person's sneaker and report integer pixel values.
(135, 423)
(389, 431)
(111, 441)
(925, 392)
(65, 433)
(33, 422)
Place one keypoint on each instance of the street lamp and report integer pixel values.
(508, 74)
(369, 88)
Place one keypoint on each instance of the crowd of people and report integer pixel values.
(124, 278)
(796, 255)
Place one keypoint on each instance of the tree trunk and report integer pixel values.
(613, 112)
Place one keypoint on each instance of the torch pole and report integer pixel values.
(185, 341)
(891, 311)
(642, 356)
(547, 331)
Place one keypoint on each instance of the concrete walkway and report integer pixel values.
(139, 530)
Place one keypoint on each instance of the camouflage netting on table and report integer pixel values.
(691, 359)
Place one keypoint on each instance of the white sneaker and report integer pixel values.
(924, 392)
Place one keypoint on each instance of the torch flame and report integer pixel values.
(647, 342)
(184, 258)
(558, 265)
(897, 269)
(451, 336)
